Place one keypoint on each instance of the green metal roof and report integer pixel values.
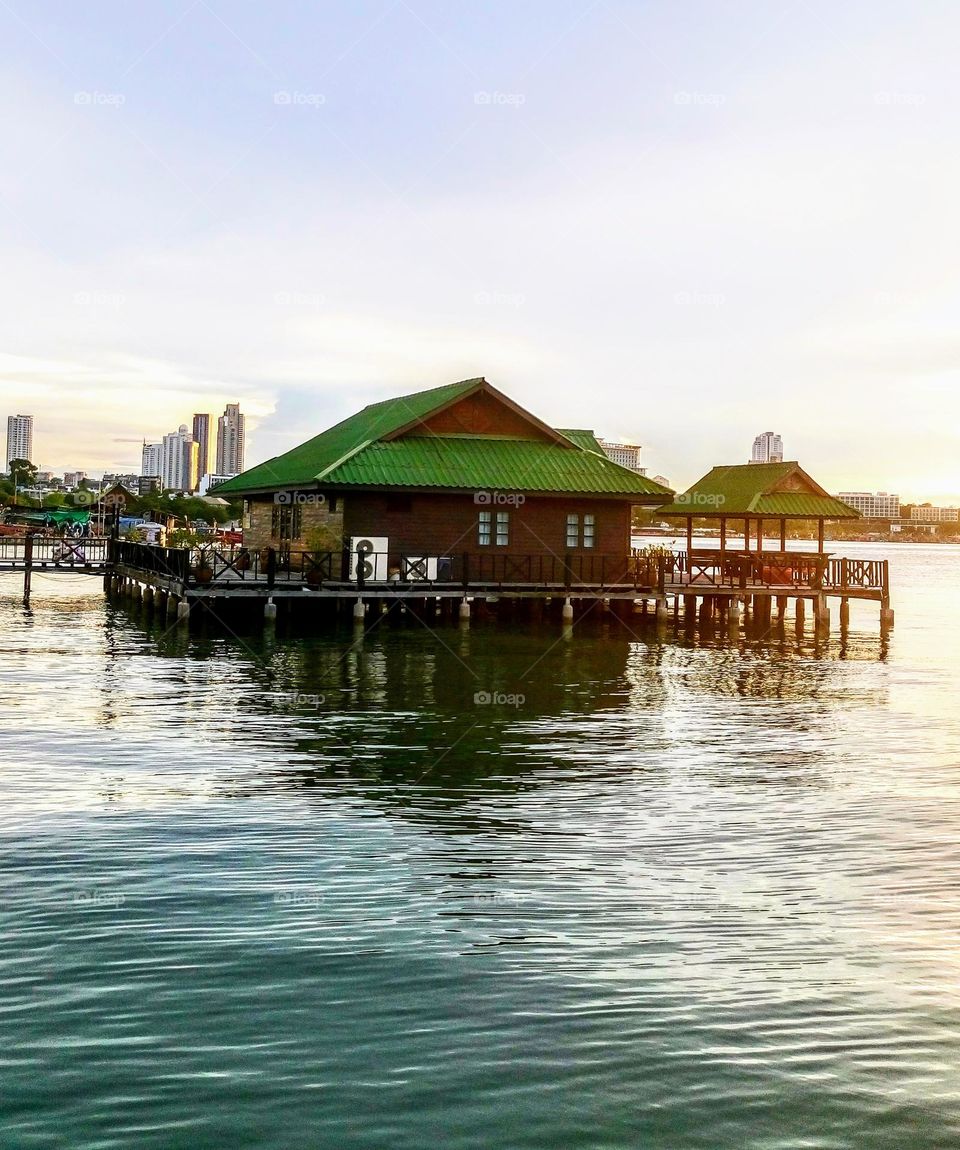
(353, 453)
(303, 464)
(468, 462)
(750, 489)
(585, 439)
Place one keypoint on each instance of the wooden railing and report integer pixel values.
(237, 566)
(797, 569)
(701, 570)
(45, 550)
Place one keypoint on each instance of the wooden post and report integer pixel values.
(820, 536)
(689, 539)
(27, 567)
(886, 611)
(783, 533)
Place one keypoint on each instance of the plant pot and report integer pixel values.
(314, 577)
(203, 575)
(243, 562)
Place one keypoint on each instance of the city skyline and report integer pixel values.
(306, 256)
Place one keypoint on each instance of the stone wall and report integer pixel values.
(258, 522)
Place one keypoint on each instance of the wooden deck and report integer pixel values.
(721, 581)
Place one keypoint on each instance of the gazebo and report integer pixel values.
(754, 493)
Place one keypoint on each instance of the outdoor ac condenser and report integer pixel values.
(374, 557)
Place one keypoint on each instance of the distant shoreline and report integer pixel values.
(680, 536)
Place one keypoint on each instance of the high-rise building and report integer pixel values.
(230, 441)
(73, 478)
(626, 454)
(19, 437)
(180, 460)
(151, 463)
(767, 448)
(201, 433)
(872, 504)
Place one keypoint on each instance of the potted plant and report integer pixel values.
(203, 571)
(321, 540)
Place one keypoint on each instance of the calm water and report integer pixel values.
(304, 893)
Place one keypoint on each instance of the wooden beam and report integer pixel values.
(819, 536)
(689, 535)
(783, 533)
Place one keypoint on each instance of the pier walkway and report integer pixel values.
(703, 581)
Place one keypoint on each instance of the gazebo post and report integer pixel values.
(689, 536)
(783, 532)
(819, 536)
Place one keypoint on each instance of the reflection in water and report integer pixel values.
(495, 886)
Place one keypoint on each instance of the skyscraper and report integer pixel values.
(767, 448)
(230, 441)
(152, 459)
(19, 437)
(180, 460)
(201, 433)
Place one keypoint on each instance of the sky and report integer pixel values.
(675, 224)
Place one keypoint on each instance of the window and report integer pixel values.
(492, 529)
(589, 523)
(577, 537)
(286, 522)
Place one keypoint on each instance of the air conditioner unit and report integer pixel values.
(416, 567)
(369, 552)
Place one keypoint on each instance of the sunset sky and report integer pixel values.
(677, 224)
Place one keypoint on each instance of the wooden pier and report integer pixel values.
(706, 584)
(702, 584)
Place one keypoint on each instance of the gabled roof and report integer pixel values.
(380, 447)
(777, 490)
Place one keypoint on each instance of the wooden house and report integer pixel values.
(459, 473)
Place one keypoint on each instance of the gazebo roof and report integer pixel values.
(759, 490)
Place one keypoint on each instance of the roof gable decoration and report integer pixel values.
(462, 417)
